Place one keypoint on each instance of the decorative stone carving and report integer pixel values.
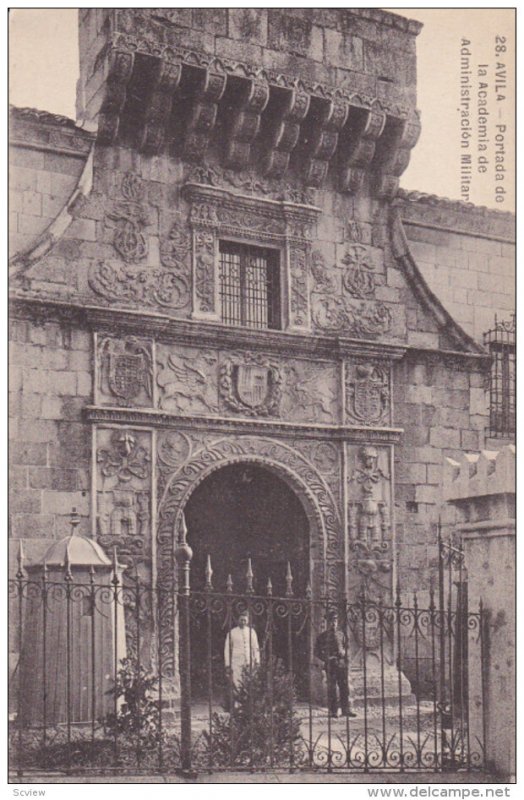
(187, 380)
(246, 123)
(219, 213)
(368, 393)
(125, 371)
(323, 281)
(203, 115)
(310, 392)
(369, 504)
(355, 163)
(179, 479)
(359, 278)
(334, 306)
(248, 182)
(120, 69)
(131, 216)
(150, 287)
(123, 496)
(205, 258)
(324, 138)
(299, 304)
(125, 459)
(159, 107)
(397, 158)
(285, 133)
(175, 250)
(251, 384)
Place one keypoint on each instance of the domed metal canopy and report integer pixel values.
(77, 551)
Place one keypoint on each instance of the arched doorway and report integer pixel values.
(245, 511)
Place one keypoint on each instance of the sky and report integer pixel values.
(44, 70)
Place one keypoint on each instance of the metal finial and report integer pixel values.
(229, 584)
(397, 600)
(182, 530)
(269, 588)
(20, 559)
(67, 566)
(115, 566)
(309, 592)
(74, 519)
(289, 581)
(249, 578)
(209, 574)
(415, 601)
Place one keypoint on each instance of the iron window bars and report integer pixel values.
(249, 285)
(500, 341)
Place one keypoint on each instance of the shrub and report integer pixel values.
(137, 720)
(263, 727)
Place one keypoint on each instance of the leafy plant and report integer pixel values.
(263, 727)
(137, 720)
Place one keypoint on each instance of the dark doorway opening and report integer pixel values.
(242, 512)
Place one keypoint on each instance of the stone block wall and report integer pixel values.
(47, 156)
(441, 406)
(466, 255)
(50, 445)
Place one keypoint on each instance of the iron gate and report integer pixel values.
(95, 692)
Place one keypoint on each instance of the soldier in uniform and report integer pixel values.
(330, 648)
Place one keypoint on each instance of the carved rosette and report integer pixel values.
(124, 493)
(368, 394)
(369, 511)
(124, 374)
(251, 384)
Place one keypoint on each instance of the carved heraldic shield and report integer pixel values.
(126, 374)
(252, 384)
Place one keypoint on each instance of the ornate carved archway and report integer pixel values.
(182, 466)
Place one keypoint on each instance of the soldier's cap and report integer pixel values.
(331, 614)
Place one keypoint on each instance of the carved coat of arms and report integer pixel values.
(251, 385)
(368, 394)
(125, 369)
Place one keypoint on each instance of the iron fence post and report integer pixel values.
(183, 555)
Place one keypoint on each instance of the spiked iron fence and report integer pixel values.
(95, 692)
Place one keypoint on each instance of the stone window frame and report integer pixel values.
(219, 214)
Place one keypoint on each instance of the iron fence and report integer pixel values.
(96, 691)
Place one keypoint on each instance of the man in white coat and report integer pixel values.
(241, 649)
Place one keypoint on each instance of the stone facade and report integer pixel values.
(125, 383)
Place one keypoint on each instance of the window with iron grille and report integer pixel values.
(249, 285)
(501, 344)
